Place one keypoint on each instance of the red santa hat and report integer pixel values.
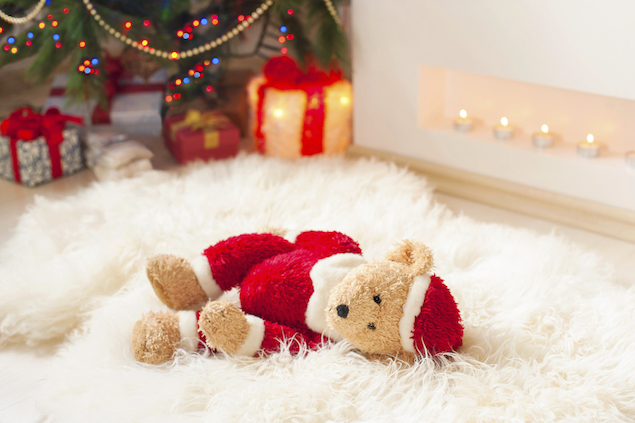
(431, 320)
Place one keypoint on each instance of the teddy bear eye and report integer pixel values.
(371, 326)
(377, 299)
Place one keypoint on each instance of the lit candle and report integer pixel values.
(544, 138)
(463, 123)
(503, 131)
(589, 148)
(630, 158)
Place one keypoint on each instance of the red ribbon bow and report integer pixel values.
(25, 125)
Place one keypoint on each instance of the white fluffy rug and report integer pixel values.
(549, 334)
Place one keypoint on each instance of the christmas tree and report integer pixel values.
(195, 38)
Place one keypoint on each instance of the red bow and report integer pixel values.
(25, 125)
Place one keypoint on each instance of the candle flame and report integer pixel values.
(463, 114)
(545, 128)
(589, 138)
(344, 100)
(504, 121)
(277, 113)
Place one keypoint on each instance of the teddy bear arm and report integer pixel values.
(230, 260)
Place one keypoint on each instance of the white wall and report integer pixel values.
(579, 45)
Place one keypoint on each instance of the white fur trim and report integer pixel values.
(256, 334)
(205, 278)
(325, 275)
(188, 329)
(411, 310)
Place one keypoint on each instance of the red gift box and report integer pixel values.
(201, 135)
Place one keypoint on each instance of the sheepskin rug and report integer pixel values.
(549, 332)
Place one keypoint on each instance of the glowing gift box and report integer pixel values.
(296, 114)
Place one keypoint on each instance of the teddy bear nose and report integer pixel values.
(342, 311)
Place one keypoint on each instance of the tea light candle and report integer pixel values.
(503, 131)
(463, 123)
(543, 139)
(630, 158)
(588, 148)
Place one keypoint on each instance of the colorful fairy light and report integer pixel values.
(215, 60)
(58, 45)
(168, 98)
(290, 37)
(290, 11)
(82, 44)
(41, 25)
(186, 80)
(28, 43)
(209, 89)
(177, 96)
(54, 24)
(128, 25)
(283, 28)
(14, 50)
(94, 61)
(204, 21)
(11, 40)
(284, 50)
(174, 55)
(65, 10)
(56, 37)
(241, 18)
(178, 82)
(196, 23)
(282, 39)
(30, 35)
(146, 23)
(144, 42)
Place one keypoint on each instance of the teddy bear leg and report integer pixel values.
(226, 327)
(175, 283)
(155, 337)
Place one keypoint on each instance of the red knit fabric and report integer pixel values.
(231, 260)
(438, 326)
(275, 334)
(326, 244)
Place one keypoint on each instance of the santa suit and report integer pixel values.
(284, 286)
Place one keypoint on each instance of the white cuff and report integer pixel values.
(203, 273)
(254, 339)
(188, 329)
(411, 310)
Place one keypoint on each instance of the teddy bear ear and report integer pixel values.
(414, 254)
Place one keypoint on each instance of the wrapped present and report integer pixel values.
(201, 135)
(134, 104)
(39, 148)
(299, 114)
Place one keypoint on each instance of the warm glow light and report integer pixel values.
(504, 121)
(54, 24)
(178, 82)
(278, 113)
(174, 55)
(41, 25)
(589, 138)
(14, 50)
(344, 100)
(82, 44)
(168, 98)
(128, 25)
(144, 42)
(545, 128)
(463, 114)
(195, 24)
(81, 68)
(282, 39)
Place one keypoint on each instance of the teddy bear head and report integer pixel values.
(395, 307)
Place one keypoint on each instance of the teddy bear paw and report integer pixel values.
(224, 325)
(175, 282)
(155, 337)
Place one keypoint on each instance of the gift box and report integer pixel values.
(39, 148)
(201, 135)
(294, 114)
(134, 104)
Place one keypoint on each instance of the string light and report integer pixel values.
(204, 21)
(54, 24)
(284, 50)
(241, 18)
(177, 96)
(14, 50)
(41, 25)
(209, 88)
(283, 28)
(168, 99)
(290, 11)
(28, 43)
(56, 37)
(11, 40)
(290, 37)
(174, 55)
(146, 23)
(30, 35)
(82, 44)
(128, 25)
(215, 60)
(281, 39)
(58, 45)
(65, 10)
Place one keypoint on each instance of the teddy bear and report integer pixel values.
(310, 292)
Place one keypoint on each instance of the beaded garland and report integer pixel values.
(29, 17)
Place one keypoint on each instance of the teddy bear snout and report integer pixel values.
(342, 310)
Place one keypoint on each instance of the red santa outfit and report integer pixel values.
(284, 286)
